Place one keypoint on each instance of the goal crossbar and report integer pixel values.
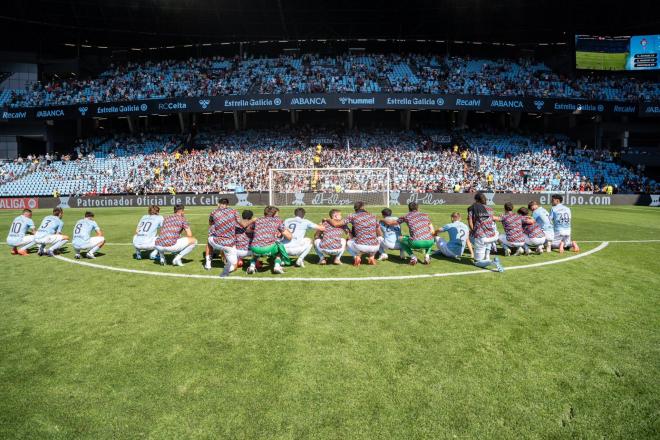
(279, 195)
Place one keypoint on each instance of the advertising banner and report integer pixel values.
(397, 198)
(19, 203)
(389, 101)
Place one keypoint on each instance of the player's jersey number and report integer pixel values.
(144, 227)
(16, 227)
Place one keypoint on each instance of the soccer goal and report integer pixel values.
(328, 186)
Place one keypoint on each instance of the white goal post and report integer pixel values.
(328, 186)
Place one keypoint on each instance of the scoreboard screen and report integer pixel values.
(643, 53)
(637, 52)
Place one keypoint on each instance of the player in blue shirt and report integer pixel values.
(82, 239)
(459, 238)
(391, 235)
(542, 218)
(50, 233)
(146, 233)
(18, 233)
(561, 220)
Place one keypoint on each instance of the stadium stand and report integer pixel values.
(311, 73)
(239, 161)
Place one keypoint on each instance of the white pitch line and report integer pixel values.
(600, 247)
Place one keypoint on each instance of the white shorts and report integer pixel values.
(444, 250)
(242, 253)
(356, 249)
(334, 252)
(221, 248)
(295, 248)
(482, 247)
(396, 246)
(144, 244)
(538, 241)
(559, 238)
(49, 239)
(506, 242)
(92, 242)
(180, 245)
(18, 242)
(549, 235)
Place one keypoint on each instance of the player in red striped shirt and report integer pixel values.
(421, 233)
(513, 236)
(223, 222)
(265, 242)
(244, 238)
(331, 241)
(170, 240)
(367, 234)
(483, 232)
(534, 235)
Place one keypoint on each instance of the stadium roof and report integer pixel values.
(41, 24)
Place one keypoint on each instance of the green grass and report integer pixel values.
(562, 351)
(600, 60)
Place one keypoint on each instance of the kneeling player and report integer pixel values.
(421, 232)
(267, 231)
(146, 232)
(331, 241)
(561, 219)
(18, 236)
(299, 245)
(82, 239)
(534, 236)
(50, 233)
(391, 235)
(244, 237)
(542, 218)
(223, 224)
(482, 230)
(513, 236)
(170, 240)
(458, 238)
(367, 234)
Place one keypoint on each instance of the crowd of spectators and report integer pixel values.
(219, 162)
(347, 73)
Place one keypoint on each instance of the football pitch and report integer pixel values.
(564, 346)
(600, 60)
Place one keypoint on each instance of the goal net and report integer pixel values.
(329, 186)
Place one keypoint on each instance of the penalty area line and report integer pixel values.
(475, 271)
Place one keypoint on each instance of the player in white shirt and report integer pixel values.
(561, 220)
(299, 245)
(82, 239)
(50, 233)
(459, 238)
(391, 235)
(542, 218)
(146, 233)
(18, 236)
